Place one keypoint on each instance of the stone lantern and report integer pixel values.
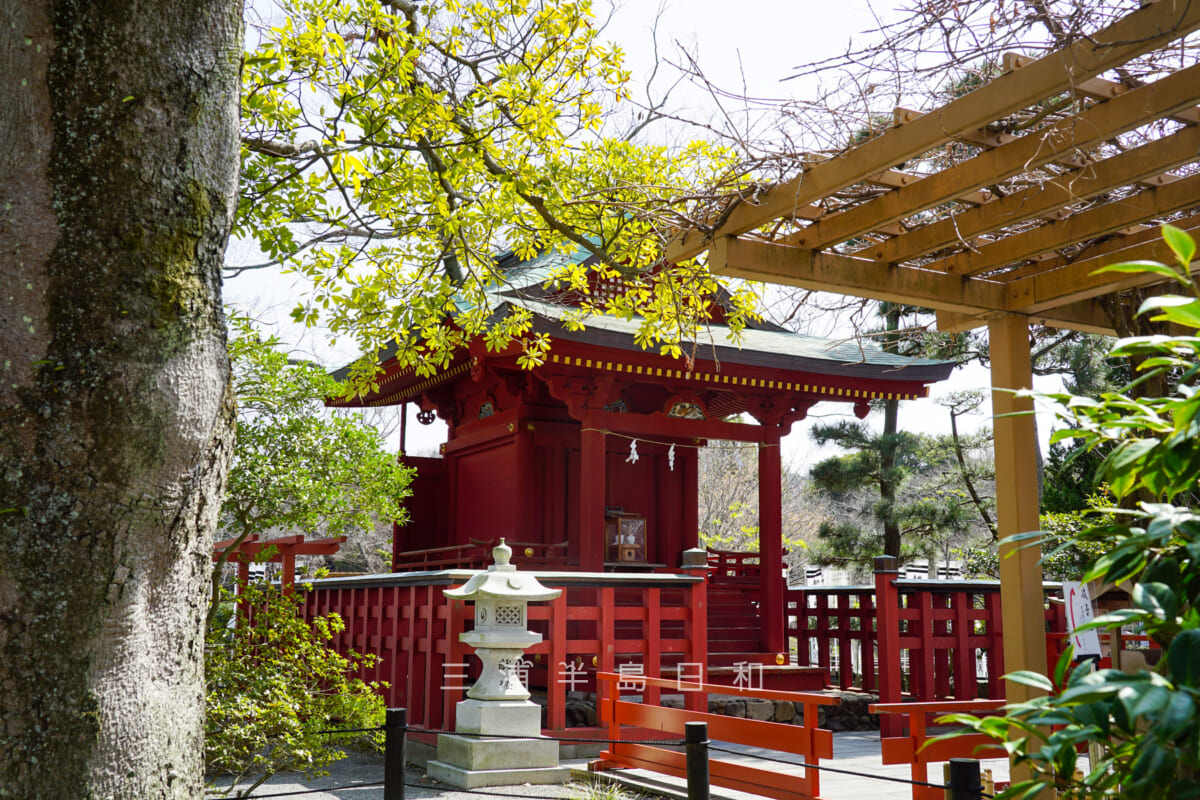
(498, 704)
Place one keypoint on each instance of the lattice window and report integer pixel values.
(508, 615)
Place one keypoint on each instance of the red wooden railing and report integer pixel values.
(734, 597)
(832, 628)
(808, 741)
(730, 564)
(477, 554)
(600, 622)
(917, 640)
(413, 629)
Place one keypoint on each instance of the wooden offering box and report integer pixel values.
(626, 537)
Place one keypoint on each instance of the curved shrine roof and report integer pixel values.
(762, 352)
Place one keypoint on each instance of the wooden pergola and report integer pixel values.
(1017, 231)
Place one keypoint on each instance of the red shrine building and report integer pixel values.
(587, 466)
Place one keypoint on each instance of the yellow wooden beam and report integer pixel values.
(986, 138)
(1101, 89)
(1105, 251)
(1099, 221)
(1014, 439)
(1086, 316)
(894, 179)
(1075, 282)
(958, 322)
(1180, 89)
(829, 272)
(1149, 28)
(1062, 296)
(1133, 166)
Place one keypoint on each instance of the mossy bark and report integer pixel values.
(116, 199)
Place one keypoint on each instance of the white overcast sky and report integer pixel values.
(743, 46)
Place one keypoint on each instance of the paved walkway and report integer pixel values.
(853, 752)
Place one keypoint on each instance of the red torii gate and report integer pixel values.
(285, 549)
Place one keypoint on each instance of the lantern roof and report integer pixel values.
(503, 581)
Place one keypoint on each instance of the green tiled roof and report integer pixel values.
(784, 349)
(763, 345)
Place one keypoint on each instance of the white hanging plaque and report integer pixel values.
(1079, 613)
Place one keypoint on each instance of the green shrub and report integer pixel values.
(274, 686)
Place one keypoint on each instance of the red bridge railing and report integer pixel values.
(809, 741)
(920, 749)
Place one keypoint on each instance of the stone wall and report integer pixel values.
(849, 715)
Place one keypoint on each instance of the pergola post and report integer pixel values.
(592, 485)
(1015, 447)
(770, 541)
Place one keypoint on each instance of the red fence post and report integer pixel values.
(607, 657)
(887, 633)
(456, 653)
(695, 563)
(964, 653)
(866, 629)
(995, 652)
(556, 694)
(797, 626)
(1056, 628)
(652, 662)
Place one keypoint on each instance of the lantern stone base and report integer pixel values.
(476, 778)
(467, 762)
(498, 717)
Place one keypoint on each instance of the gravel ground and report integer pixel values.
(359, 776)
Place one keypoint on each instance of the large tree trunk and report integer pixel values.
(887, 485)
(117, 188)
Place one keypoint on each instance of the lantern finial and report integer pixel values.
(501, 553)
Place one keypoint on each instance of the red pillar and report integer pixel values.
(887, 638)
(526, 496)
(451, 465)
(690, 517)
(592, 483)
(697, 631)
(288, 580)
(770, 541)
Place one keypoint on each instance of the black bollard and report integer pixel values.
(964, 779)
(695, 737)
(395, 730)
